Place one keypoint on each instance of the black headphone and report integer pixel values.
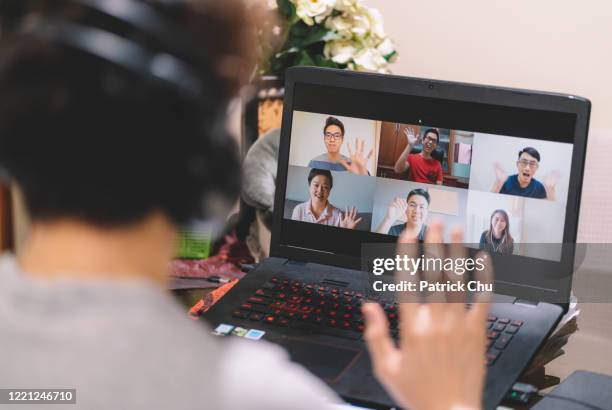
(177, 62)
(161, 53)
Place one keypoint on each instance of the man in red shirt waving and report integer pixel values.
(421, 167)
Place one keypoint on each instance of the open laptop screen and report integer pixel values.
(364, 165)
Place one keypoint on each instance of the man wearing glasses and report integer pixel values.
(416, 209)
(523, 183)
(422, 167)
(333, 160)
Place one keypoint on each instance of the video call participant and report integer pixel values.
(422, 167)
(318, 210)
(333, 160)
(524, 183)
(497, 238)
(416, 208)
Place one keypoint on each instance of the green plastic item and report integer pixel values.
(194, 244)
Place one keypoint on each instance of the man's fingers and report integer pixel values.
(358, 220)
(456, 252)
(434, 248)
(376, 333)
(344, 163)
(407, 247)
(480, 308)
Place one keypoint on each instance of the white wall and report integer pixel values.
(550, 45)
(307, 137)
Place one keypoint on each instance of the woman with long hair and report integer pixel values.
(498, 238)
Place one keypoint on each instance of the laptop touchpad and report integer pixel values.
(324, 361)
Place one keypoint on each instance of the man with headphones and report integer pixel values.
(112, 125)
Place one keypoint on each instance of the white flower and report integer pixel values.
(311, 11)
(348, 6)
(376, 23)
(370, 59)
(341, 25)
(386, 47)
(340, 51)
(361, 25)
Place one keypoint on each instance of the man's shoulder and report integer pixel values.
(321, 162)
(511, 182)
(320, 157)
(537, 184)
(539, 189)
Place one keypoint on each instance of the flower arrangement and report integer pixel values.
(328, 33)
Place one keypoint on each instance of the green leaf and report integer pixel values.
(304, 59)
(286, 8)
(314, 35)
(389, 56)
(324, 62)
(331, 35)
(287, 51)
(299, 29)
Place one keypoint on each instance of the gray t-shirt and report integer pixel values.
(321, 162)
(128, 345)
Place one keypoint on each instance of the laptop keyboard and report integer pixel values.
(337, 312)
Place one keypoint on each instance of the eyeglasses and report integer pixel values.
(333, 136)
(525, 163)
(413, 206)
(430, 139)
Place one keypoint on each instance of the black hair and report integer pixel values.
(333, 121)
(531, 151)
(419, 191)
(326, 173)
(84, 138)
(433, 130)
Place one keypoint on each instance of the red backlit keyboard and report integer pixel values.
(337, 312)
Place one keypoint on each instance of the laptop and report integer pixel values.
(505, 164)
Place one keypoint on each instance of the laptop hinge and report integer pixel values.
(334, 282)
(524, 302)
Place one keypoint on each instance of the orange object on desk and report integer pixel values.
(210, 299)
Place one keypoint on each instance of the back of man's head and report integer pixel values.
(87, 138)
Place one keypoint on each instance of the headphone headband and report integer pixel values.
(117, 50)
(166, 64)
(146, 19)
